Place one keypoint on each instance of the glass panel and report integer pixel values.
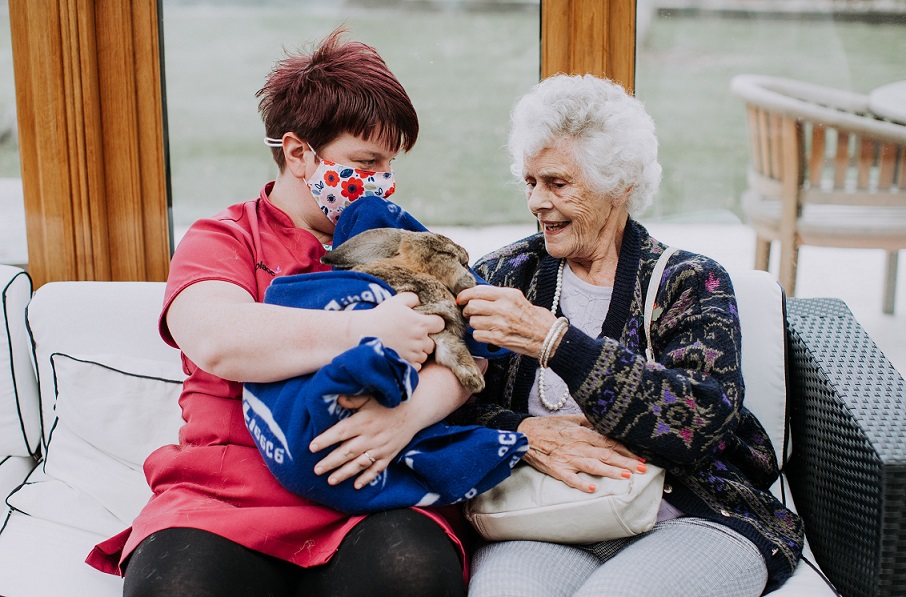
(687, 53)
(463, 63)
(686, 57)
(12, 214)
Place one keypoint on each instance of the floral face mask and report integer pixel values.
(334, 186)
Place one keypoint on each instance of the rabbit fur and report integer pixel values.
(433, 267)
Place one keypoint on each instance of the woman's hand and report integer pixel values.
(504, 317)
(564, 445)
(372, 432)
(402, 329)
(380, 433)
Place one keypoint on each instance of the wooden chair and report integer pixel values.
(824, 171)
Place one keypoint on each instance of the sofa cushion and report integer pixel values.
(40, 558)
(111, 412)
(20, 424)
(13, 471)
(93, 318)
(762, 317)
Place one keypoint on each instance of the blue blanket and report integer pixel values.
(376, 212)
(443, 464)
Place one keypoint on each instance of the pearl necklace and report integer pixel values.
(549, 406)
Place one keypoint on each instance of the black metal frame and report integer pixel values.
(847, 467)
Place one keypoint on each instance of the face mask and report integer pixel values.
(334, 186)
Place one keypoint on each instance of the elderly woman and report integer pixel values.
(587, 153)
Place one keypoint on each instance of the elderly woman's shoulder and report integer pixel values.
(689, 268)
(522, 255)
(695, 261)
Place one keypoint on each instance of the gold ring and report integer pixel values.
(367, 455)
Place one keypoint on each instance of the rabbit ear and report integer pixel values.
(365, 247)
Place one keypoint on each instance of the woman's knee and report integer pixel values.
(399, 552)
(528, 569)
(184, 561)
(698, 556)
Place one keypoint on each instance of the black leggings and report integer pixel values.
(400, 553)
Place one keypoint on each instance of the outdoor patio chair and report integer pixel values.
(824, 171)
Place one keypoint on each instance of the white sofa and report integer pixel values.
(74, 437)
(89, 389)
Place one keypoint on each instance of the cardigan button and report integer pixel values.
(724, 513)
(668, 488)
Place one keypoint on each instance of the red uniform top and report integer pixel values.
(215, 479)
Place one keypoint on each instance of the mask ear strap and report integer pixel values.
(272, 142)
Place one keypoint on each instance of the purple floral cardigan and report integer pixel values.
(684, 412)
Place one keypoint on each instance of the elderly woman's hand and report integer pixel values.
(564, 445)
(504, 317)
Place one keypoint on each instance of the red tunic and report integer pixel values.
(215, 479)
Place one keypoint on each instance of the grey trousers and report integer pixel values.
(682, 556)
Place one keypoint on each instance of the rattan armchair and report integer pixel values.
(847, 467)
(824, 171)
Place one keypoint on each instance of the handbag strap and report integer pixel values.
(653, 285)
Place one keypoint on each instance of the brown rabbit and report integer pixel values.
(433, 267)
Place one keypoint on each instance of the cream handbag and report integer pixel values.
(531, 505)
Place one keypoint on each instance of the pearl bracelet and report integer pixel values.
(552, 340)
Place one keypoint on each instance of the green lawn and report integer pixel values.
(463, 71)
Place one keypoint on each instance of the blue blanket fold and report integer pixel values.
(443, 464)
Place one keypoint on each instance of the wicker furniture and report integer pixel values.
(847, 468)
(824, 171)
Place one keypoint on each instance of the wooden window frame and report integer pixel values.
(589, 36)
(91, 138)
(91, 119)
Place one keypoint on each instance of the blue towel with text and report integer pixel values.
(443, 464)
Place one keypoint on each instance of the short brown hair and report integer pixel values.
(340, 87)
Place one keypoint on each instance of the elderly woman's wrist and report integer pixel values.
(577, 354)
(508, 420)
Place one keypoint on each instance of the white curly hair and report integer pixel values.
(612, 135)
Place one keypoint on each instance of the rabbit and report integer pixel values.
(433, 267)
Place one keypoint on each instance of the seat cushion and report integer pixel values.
(48, 558)
(831, 225)
(808, 580)
(20, 424)
(13, 471)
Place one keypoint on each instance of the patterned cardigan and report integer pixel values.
(684, 412)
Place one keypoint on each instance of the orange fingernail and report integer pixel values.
(641, 459)
(642, 468)
(626, 474)
(592, 488)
